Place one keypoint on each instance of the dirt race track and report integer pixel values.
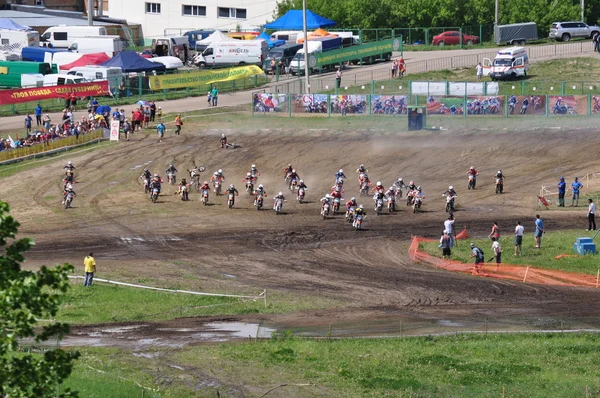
(298, 251)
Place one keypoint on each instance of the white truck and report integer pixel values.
(15, 40)
(297, 63)
(111, 45)
(63, 36)
(92, 73)
(229, 53)
(509, 63)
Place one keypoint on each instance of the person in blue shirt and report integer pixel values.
(28, 121)
(562, 186)
(576, 186)
(539, 231)
(160, 129)
(38, 115)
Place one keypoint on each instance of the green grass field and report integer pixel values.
(553, 244)
(463, 365)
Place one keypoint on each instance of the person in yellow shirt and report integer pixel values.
(90, 268)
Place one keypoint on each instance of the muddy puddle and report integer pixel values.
(181, 332)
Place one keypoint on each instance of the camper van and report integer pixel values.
(15, 40)
(92, 73)
(290, 36)
(111, 45)
(177, 46)
(11, 71)
(227, 53)
(63, 36)
(510, 63)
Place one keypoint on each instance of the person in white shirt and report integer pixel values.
(449, 228)
(479, 71)
(519, 231)
(338, 77)
(497, 250)
(591, 215)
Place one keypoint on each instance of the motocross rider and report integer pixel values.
(254, 171)
(182, 183)
(287, 170)
(259, 193)
(302, 185)
(512, 100)
(500, 175)
(391, 192)
(378, 195)
(279, 196)
(351, 203)
(361, 169)
(411, 186)
(171, 169)
(379, 188)
(337, 194)
(293, 175)
(359, 212)
(363, 178)
(474, 173)
(155, 183)
(249, 179)
(450, 192)
(68, 189)
(232, 190)
(205, 187)
(223, 141)
(146, 175)
(325, 199)
(340, 175)
(69, 166)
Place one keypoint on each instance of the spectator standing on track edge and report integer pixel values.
(160, 129)
(495, 234)
(519, 231)
(479, 71)
(478, 254)
(90, 268)
(215, 96)
(562, 187)
(576, 187)
(445, 245)
(38, 115)
(178, 124)
(591, 215)
(539, 231)
(338, 77)
(449, 228)
(497, 250)
(28, 121)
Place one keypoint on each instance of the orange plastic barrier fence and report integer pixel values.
(521, 273)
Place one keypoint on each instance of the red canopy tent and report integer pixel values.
(87, 59)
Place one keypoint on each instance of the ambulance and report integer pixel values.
(510, 63)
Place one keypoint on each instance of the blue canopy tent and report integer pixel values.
(7, 23)
(292, 20)
(130, 61)
(272, 43)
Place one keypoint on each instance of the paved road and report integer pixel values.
(355, 73)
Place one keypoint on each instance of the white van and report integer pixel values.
(237, 52)
(297, 63)
(37, 80)
(63, 36)
(15, 40)
(290, 36)
(92, 73)
(176, 46)
(169, 62)
(509, 63)
(111, 45)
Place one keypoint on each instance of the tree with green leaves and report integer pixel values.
(25, 297)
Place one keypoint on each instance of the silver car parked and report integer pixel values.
(566, 31)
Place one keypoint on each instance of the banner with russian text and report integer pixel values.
(41, 93)
(193, 79)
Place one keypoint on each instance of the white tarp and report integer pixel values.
(454, 88)
(215, 37)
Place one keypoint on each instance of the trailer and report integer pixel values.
(517, 33)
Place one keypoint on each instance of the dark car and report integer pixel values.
(453, 38)
(147, 53)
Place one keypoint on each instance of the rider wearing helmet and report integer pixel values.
(400, 183)
(279, 196)
(254, 171)
(292, 175)
(302, 185)
(69, 166)
(500, 175)
(392, 192)
(411, 186)
(68, 190)
(205, 186)
(249, 179)
(379, 188)
(360, 212)
(351, 203)
(223, 140)
(473, 173)
(146, 174)
(171, 169)
(361, 169)
(450, 191)
(156, 182)
(337, 193)
(260, 192)
(512, 100)
(325, 199)
(232, 190)
(287, 170)
(220, 174)
(340, 174)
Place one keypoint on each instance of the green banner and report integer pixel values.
(355, 52)
(179, 80)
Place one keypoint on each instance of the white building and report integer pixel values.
(160, 17)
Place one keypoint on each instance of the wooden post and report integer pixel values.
(526, 271)
(265, 298)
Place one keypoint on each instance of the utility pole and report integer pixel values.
(496, 15)
(305, 48)
(582, 10)
(91, 12)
